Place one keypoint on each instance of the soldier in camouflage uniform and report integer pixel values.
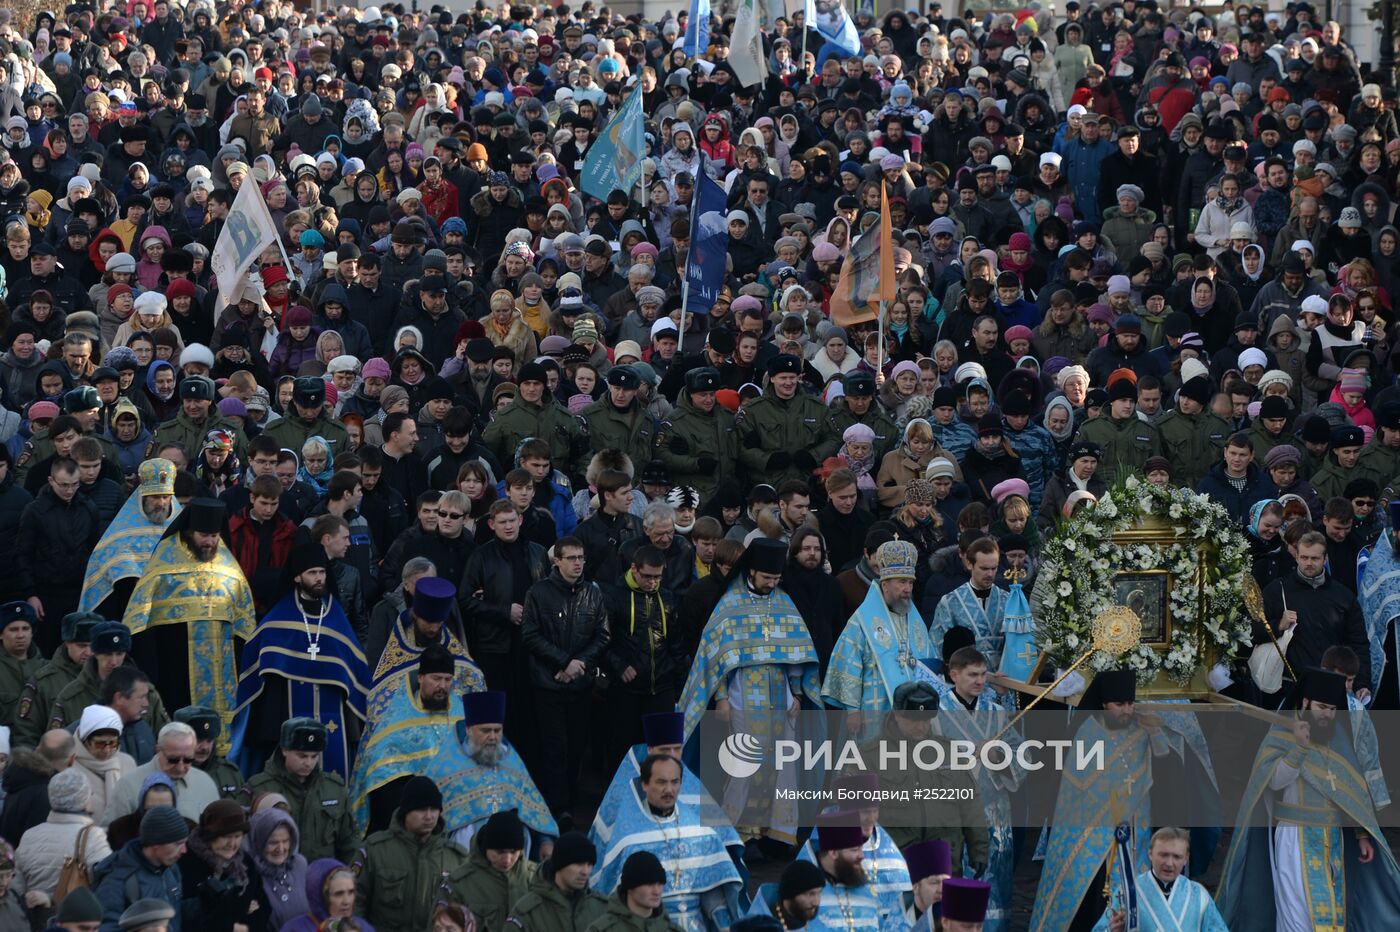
(1192, 437)
(619, 420)
(207, 727)
(111, 642)
(857, 405)
(559, 898)
(36, 701)
(196, 419)
(19, 658)
(496, 874)
(697, 443)
(319, 800)
(535, 413)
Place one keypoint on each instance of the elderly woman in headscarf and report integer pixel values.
(98, 757)
(330, 894)
(272, 842)
(156, 790)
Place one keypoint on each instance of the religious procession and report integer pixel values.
(511, 466)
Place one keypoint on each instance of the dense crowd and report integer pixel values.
(467, 427)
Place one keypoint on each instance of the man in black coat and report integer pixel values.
(27, 781)
(814, 591)
(57, 532)
(1130, 165)
(1319, 610)
(564, 630)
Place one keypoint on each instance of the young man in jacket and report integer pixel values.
(565, 630)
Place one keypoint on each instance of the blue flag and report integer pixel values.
(831, 21)
(709, 246)
(697, 29)
(614, 161)
(1020, 653)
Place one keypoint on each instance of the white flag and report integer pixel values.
(746, 47)
(248, 231)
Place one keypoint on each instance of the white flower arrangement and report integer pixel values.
(1205, 602)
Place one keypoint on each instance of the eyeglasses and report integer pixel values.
(1363, 502)
(104, 744)
(649, 575)
(178, 760)
(455, 515)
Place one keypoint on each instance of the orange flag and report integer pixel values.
(867, 273)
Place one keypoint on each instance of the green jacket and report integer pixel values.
(1264, 441)
(292, 433)
(546, 908)
(1193, 444)
(225, 776)
(487, 892)
(1310, 464)
(1331, 479)
(39, 448)
(400, 878)
(86, 690)
(547, 420)
(320, 804)
(1126, 444)
(619, 918)
(796, 431)
(630, 431)
(1381, 463)
(182, 429)
(887, 432)
(32, 717)
(15, 672)
(959, 821)
(690, 435)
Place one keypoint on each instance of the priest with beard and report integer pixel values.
(795, 900)
(1307, 851)
(814, 591)
(303, 662)
(194, 590)
(847, 902)
(422, 623)
(119, 558)
(1093, 803)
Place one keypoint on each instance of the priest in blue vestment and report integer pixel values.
(422, 622)
(887, 876)
(1096, 804)
(705, 889)
(1167, 900)
(838, 848)
(757, 667)
(930, 863)
(1307, 852)
(965, 905)
(1379, 595)
(880, 647)
(978, 604)
(120, 556)
(795, 900)
(303, 661)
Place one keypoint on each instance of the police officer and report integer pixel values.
(400, 870)
(111, 642)
(38, 453)
(697, 443)
(784, 433)
(36, 700)
(196, 420)
(318, 800)
(1192, 436)
(619, 421)
(535, 413)
(858, 406)
(309, 419)
(207, 727)
(19, 658)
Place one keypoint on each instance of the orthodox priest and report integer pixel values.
(193, 586)
(704, 885)
(887, 874)
(978, 604)
(422, 622)
(757, 667)
(1094, 803)
(1380, 606)
(1317, 859)
(304, 661)
(880, 647)
(119, 558)
(1168, 900)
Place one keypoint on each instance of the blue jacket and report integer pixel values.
(1036, 448)
(561, 506)
(125, 876)
(957, 438)
(1081, 168)
(1258, 486)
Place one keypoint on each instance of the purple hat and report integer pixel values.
(578, 402)
(484, 708)
(965, 900)
(663, 728)
(929, 859)
(1054, 364)
(837, 831)
(433, 598)
(553, 345)
(375, 368)
(233, 407)
(1101, 313)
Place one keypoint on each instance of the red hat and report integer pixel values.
(181, 288)
(470, 330)
(264, 72)
(117, 291)
(273, 274)
(299, 316)
(728, 398)
(332, 394)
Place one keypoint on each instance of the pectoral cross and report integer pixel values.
(313, 649)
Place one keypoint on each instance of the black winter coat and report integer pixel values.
(564, 622)
(1327, 615)
(603, 536)
(13, 499)
(487, 593)
(54, 540)
(216, 903)
(644, 632)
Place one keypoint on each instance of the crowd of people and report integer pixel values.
(349, 604)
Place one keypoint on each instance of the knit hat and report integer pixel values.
(375, 368)
(163, 825)
(80, 905)
(939, 467)
(858, 433)
(1019, 332)
(421, 792)
(147, 911)
(1353, 381)
(797, 878)
(1198, 389)
(97, 718)
(640, 869)
(1285, 454)
(69, 791)
(573, 848)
